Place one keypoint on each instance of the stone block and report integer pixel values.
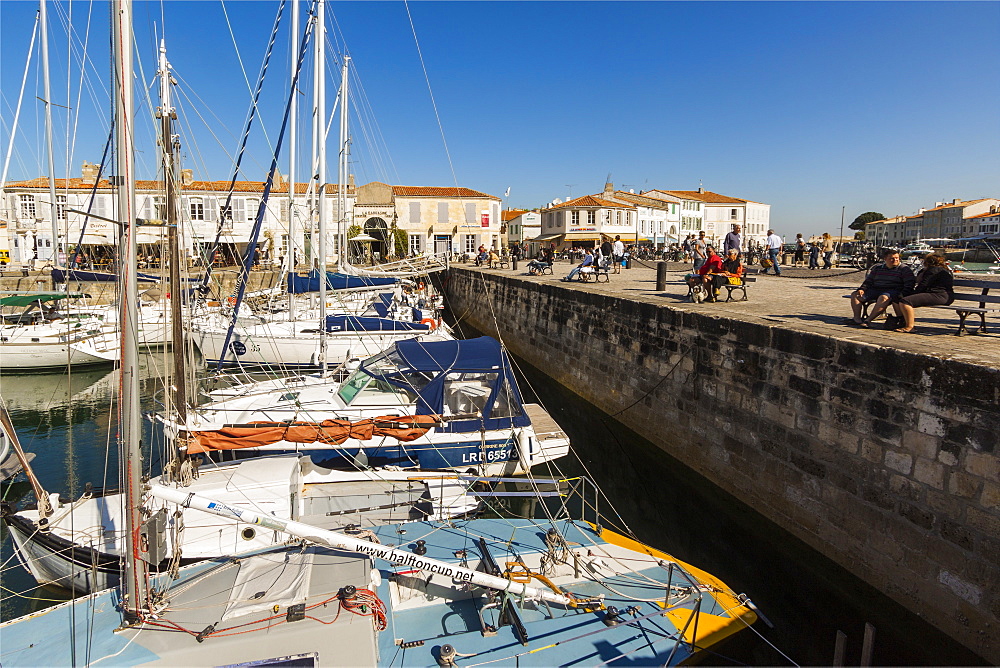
(963, 485)
(907, 489)
(931, 424)
(887, 430)
(929, 472)
(899, 461)
(919, 516)
(983, 465)
(957, 534)
(920, 444)
(986, 522)
(961, 588)
(990, 500)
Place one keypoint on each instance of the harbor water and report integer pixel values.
(68, 421)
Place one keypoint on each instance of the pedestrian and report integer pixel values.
(686, 247)
(813, 255)
(733, 241)
(827, 250)
(773, 250)
(617, 253)
(800, 251)
(699, 250)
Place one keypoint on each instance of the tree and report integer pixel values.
(865, 218)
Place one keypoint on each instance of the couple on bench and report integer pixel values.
(716, 272)
(893, 284)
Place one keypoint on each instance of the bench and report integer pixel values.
(698, 292)
(539, 271)
(596, 273)
(979, 303)
(745, 280)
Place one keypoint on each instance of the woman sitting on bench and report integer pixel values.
(544, 261)
(934, 288)
(710, 271)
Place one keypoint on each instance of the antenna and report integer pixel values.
(570, 186)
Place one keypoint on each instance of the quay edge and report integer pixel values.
(884, 460)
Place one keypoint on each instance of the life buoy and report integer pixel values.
(231, 300)
(420, 287)
(430, 322)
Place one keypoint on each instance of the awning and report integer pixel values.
(582, 236)
(546, 237)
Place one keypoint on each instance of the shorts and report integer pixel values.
(893, 295)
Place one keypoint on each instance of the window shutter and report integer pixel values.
(415, 213)
(442, 213)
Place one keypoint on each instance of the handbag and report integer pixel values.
(766, 263)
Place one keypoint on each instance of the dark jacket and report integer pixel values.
(938, 280)
(882, 277)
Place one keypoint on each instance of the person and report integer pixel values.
(733, 241)
(706, 273)
(800, 251)
(686, 247)
(934, 287)
(543, 261)
(827, 251)
(884, 284)
(588, 260)
(699, 252)
(813, 255)
(732, 273)
(773, 250)
(617, 253)
(607, 250)
(492, 259)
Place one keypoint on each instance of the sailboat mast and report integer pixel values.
(168, 144)
(319, 90)
(292, 141)
(130, 417)
(342, 164)
(54, 219)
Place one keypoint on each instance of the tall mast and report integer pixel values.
(43, 15)
(168, 143)
(319, 91)
(292, 140)
(343, 164)
(130, 418)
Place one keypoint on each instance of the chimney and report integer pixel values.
(609, 189)
(187, 176)
(90, 171)
(700, 190)
(922, 209)
(955, 201)
(350, 181)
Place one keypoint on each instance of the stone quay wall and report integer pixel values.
(883, 460)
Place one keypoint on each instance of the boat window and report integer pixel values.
(505, 406)
(467, 392)
(361, 388)
(352, 386)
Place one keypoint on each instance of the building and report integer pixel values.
(586, 221)
(887, 232)
(952, 219)
(434, 219)
(657, 219)
(522, 225)
(986, 224)
(716, 214)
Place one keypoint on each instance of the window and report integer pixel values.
(27, 206)
(160, 207)
(733, 214)
(251, 209)
(416, 244)
(196, 205)
(576, 217)
(591, 218)
(470, 242)
(61, 207)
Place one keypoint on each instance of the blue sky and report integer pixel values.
(806, 106)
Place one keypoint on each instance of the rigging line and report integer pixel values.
(17, 114)
(243, 69)
(246, 136)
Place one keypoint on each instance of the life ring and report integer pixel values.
(420, 287)
(231, 300)
(430, 322)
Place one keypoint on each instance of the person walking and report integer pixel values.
(733, 241)
(699, 250)
(827, 251)
(800, 251)
(773, 251)
(813, 255)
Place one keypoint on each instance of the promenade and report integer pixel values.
(800, 299)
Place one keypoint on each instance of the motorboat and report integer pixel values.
(916, 249)
(465, 388)
(45, 337)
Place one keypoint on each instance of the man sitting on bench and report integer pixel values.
(542, 262)
(885, 283)
(588, 260)
(934, 288)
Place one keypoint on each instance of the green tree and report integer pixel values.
(865, 218)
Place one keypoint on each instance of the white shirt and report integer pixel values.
(773, 241)
(619, 248)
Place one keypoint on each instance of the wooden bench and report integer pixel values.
(980, 303)
(539, 271)
(596, 273)
(745, 280)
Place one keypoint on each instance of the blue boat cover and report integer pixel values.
(353, 323)
(381, 304)
(425, 366)
(335, 281)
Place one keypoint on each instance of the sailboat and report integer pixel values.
(509, 591)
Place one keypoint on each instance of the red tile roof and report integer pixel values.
(591, 201)
(955, 204)
(705, 196)
(510, 214)
(984, 215)
(203, 186)
(433, 191)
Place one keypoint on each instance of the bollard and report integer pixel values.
(513, 263)
(661, 276)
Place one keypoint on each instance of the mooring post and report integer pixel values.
(661, 276)
(868, 646)
(513, 262)
(839, 646)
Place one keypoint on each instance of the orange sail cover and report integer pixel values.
(332, 432)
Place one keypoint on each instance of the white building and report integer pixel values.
(521, 225)
(586, 221)
(716, 214)
(658, 218)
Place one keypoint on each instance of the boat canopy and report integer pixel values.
(298, 284)
(381, 304)
(61, 275)
(28, 300)
(456, 377)
(354, 323)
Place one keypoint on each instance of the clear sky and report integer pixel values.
(806, 106)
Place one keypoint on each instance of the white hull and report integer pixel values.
(33, 348)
